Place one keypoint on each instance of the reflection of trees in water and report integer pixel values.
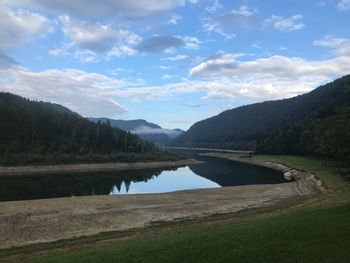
(230, 173)
(220, 171)
(63, 185)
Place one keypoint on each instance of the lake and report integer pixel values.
(212, 173)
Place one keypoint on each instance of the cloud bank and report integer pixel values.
(92, 8)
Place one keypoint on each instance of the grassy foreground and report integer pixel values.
(315, 232)
(318, 235)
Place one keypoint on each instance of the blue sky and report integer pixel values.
(172, 62)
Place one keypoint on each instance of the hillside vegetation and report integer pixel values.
(31, 128)
(314, 123)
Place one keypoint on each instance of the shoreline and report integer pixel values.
(306, 181)
(207, 149)
(96, 167)
(30, 222)
(24, 223)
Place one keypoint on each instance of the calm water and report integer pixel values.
(213, 173)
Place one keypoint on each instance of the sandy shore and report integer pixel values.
(99, 167)
(38, 221)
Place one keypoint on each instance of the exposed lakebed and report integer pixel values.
(212, 173)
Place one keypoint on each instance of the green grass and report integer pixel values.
(317, 235)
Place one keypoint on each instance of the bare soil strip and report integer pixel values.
(98, 167)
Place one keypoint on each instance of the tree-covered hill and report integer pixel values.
(31, 127)
(317, 122)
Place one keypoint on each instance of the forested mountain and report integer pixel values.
(44, 128)
(314, 123)
(146, 130)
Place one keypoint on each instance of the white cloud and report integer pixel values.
(268, 78)
(191, 42)
(119, 51)
(344, 5)
(224, 24)
(174, 19)
(286, 24)
(168, 76)
(59, 52)
(99, 38)
(223, 76)
(216, 5)
(89, 94)
(158, 44)
(163, 67)
(18, 27)
(220, 95)
(244, 11)
(86, 56)
(177, 58)
(256, 45)
(340, 46)
(111, 8)
(228, 65)
(192, 105)
(217, 65)
(212, 26)
(117, 71)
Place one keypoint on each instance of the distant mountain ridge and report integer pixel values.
(258, 126)
(146, 130)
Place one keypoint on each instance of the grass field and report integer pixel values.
(318, 232)
(317, 235)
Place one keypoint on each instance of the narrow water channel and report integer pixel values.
(212, 173)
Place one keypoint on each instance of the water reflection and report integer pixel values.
(214, 172)
(63, 185)
(168, 181)
(230, 173)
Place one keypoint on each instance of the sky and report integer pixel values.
(171, 62)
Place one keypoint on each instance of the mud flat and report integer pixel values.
(39, 221)
(99, 167)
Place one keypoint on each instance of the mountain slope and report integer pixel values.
(45, 128)
(248, 126)
(146, 130)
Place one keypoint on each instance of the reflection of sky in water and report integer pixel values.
(168, 181)
(212, 173)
